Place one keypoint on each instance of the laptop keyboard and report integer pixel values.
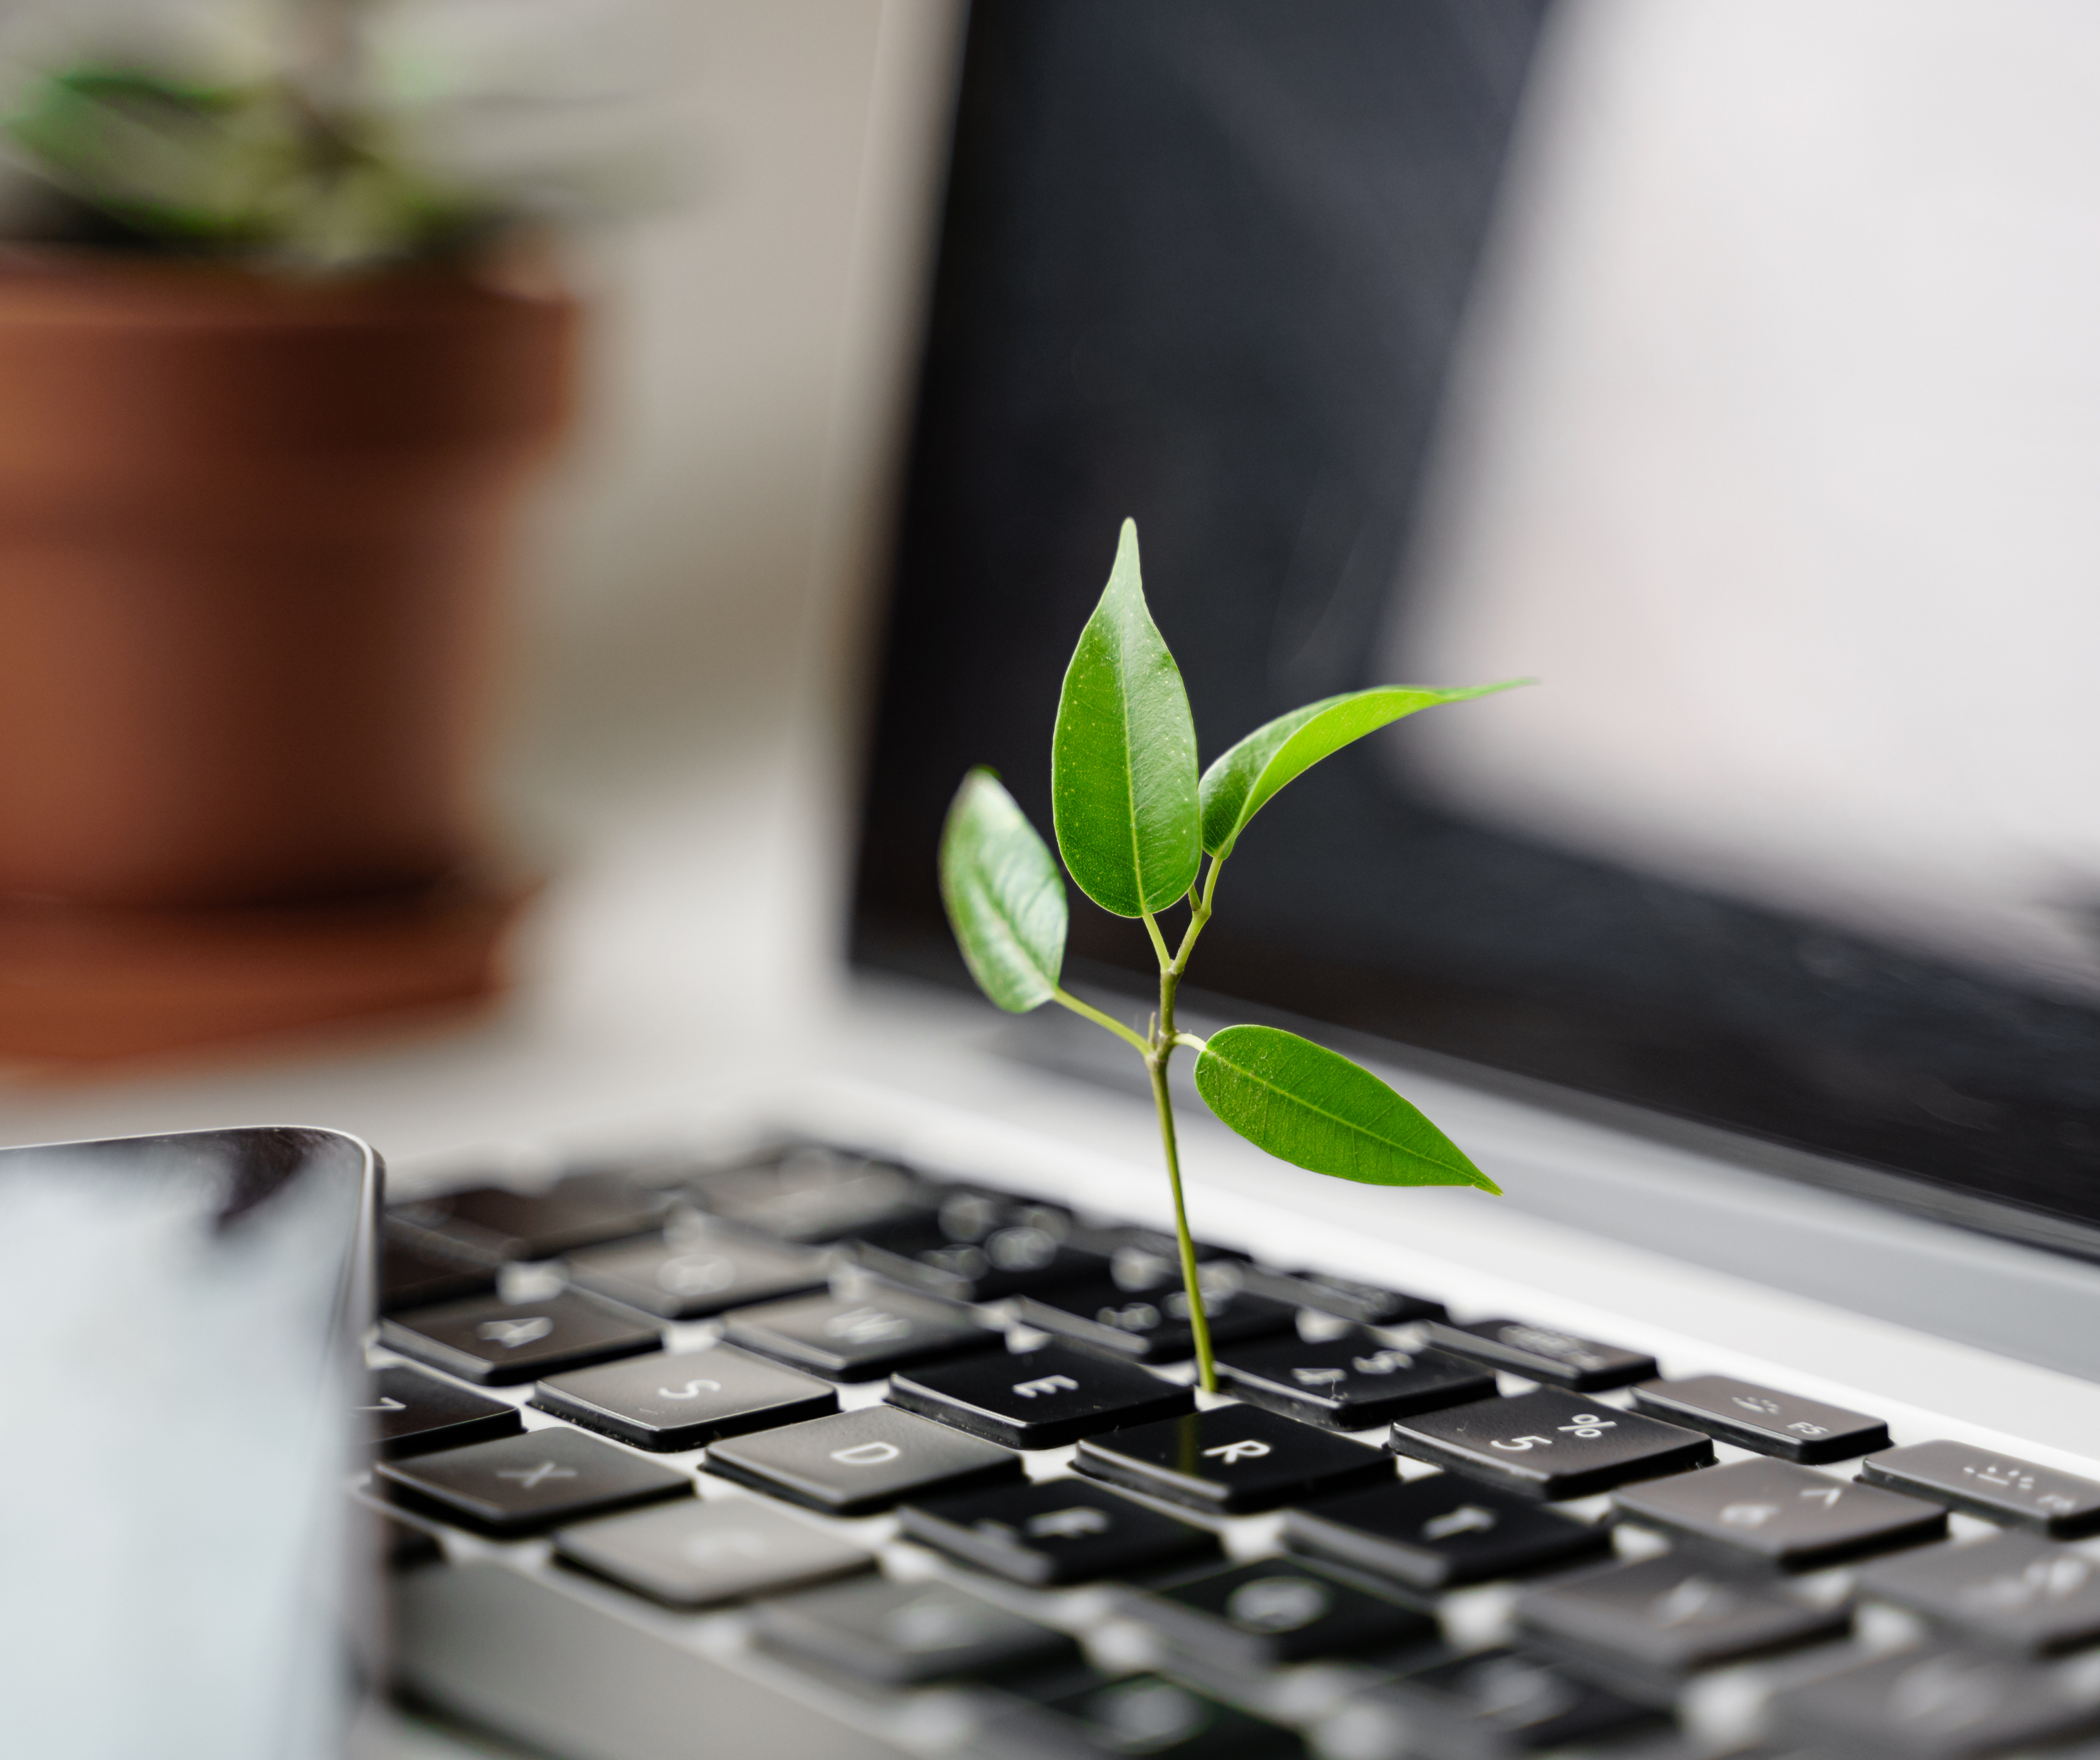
(928, 1445)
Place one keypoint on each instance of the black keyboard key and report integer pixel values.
(1038, 1399)
(905, 1634)
(1350, 1382)
(853, 1462)
(1996, 1487)
(1560, 1359)
(1140, 1715)
(1763, 1419)
(538, 1479)
(695, 1554)
(1782, 1514)
(812, 1194)
(1670, 1616)
(1365, 1304)
(1056, 1531)
(1016, 1259)
(1495, 1704)
(1232, 1459)
(1936, 1704)
(412, 1278)
(1150, 1325)
(404, 1547)
(2012, 1591)
(664, 1403)
(494, 1224)
(498, 1342)
(1551, 1445)
(1142, 1258)
(857, 1338)
(1439, 1532)
(696, 1275)
(411, 1412)
(1275, 1612)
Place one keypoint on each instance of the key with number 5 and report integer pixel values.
(1551, 1445)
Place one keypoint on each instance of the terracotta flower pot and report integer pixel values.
(250, 533)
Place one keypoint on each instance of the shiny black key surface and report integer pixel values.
(1010, 1261)
(857, 1338)
(1997, 1487)
(812, 1194)
(1936, 1704)
(692, 1276)
(2010, 1591)
(1232, 1459)
(538, 1479)
(1269, 1614)
(1671, 1615)
(1045, 1398)
(1791, 1517)
(1439, 1532)
(904, 1635)
(696, 1555)
(1560, 1359)
(410, 1276)
(665, 1403)
(495, 1224)
(1551, 1445)
(1497, 1702)
(1056, 1531)
(1141, 1714)
(411, 1412)
(1350, 1382)
(1150, 1325)
(852, 1462)
(499, 1342)
(1365, 1304)
(1763, 1418)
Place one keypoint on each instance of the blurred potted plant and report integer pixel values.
(270, 388)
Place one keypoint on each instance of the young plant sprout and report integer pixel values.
(1134, 821)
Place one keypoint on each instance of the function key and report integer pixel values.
(1496, 1703)
(1763, 1419)
(1365, 1304)
(693, 1276)
(905, 1634)
(857, 1338)
(1151, 1325)
(1551, 1445)
(1560, 1359)
(2011, 1592)
(853, 1462)
(494, 1223)
(1996, 1487)
(1232, 1459)
(694, 1555)
(1669, 1615)
(1267, 1615)
(1782, 1514)
(1038, 1399)
(1140, 1715)
(1936, 1704)
(411, 1412)
(1353, 1382)
(810, 1193)
(1441, 1531)
(499, 1342)
(1056, 1531)
(665, 1403)
(532, 1481)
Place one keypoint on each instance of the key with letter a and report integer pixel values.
(1046, 1398)
(1232, 1459)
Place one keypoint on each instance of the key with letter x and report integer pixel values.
(531, 1481)
(1232, 1459)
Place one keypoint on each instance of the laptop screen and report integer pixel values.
(1457, 340)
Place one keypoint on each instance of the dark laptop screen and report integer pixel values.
(1204, 262)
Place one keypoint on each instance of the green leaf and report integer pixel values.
(1123, 764)
(1239, 784)
(1004, 895)
(1315, 1109)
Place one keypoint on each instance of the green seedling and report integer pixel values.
(1134, 821)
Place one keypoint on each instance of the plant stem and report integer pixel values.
(1090, 1012)
(1157, 1054)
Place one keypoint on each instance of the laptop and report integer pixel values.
(854, 1417)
